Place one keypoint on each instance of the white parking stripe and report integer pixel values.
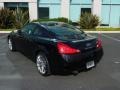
(111, 37)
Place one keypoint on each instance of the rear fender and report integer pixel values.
(41, 49)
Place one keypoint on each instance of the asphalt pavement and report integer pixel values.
(17, 72)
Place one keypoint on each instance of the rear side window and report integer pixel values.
(40, 31)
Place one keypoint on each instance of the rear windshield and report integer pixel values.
(67, 32)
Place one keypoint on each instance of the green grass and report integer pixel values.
(108, 29)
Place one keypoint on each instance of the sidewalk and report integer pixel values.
(85, 31)
(5, 31)
(102, 31)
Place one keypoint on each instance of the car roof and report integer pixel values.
(54, 25)
(50, 23)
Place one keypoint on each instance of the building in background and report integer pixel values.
(107, 10)
(31, 5)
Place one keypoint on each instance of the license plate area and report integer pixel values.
(90, 64)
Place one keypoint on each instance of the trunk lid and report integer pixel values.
(86, 44)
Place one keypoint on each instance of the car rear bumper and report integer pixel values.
(78, 61)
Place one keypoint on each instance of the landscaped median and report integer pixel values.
(98, 30)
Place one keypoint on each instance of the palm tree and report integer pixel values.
(22, 17)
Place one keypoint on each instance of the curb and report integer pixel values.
(84, 31)
(5, 31)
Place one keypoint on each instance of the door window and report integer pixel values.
(28, 29)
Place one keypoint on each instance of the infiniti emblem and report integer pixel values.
(88, 44)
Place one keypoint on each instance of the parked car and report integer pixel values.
(56, 46)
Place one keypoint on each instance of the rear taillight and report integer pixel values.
(66, 49)
(99, 43)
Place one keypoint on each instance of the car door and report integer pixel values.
(41, 37)
(23, 38)
(19, 38)
(27, 39)
(33, 39)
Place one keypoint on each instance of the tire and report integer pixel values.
(42, 64)
(10, 45)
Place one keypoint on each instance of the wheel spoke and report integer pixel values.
(43, 69)
(10, 44)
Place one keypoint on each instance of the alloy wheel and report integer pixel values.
(42, 64)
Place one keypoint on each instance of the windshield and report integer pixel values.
(67, 32)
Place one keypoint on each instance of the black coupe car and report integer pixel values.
(56, 46)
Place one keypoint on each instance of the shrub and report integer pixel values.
(88, 21)
(59, 19)
(62, 19)
(7, 18)
(21, 18)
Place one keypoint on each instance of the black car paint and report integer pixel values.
(31, 45)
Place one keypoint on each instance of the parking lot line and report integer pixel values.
(115, 39)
